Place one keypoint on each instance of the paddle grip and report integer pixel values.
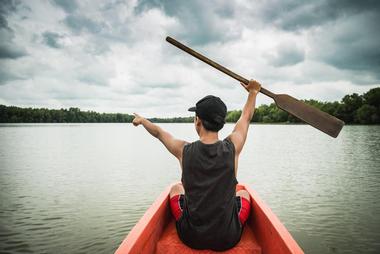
(215, 64)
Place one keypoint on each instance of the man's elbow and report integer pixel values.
(162, 135)
(158, 135)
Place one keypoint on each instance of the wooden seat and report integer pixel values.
(170, 243)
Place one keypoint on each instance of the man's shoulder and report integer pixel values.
(187, 145)
(228, 142)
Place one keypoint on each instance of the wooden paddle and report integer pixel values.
(313, 116)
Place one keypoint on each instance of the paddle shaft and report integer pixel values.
(313, 116)
(216, 65)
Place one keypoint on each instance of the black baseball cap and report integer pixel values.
(211, 109)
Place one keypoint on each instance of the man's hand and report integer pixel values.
(252, 87)
(137, 120)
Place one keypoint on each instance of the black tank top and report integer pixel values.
(210, 218)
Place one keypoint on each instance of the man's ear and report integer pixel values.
(198, 121)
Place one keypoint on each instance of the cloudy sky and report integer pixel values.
(111, 56)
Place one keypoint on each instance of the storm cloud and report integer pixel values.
(68, 6)
(201, 21)
(351, 44)
(7, 76)
(52, 39)
(78, 23)
(286, 55)
(297, 14)
(8, 49)
(112, 55)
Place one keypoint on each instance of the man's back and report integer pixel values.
(210, 216)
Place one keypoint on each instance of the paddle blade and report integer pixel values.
(309, 114)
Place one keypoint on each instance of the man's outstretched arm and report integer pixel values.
(173, 145)
(239, 133)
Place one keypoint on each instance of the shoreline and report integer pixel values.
(229, 123)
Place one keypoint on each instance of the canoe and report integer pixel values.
(156, 232)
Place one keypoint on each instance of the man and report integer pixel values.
(209, 213)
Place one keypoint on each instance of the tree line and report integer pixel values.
(12, 114)
(352, 109)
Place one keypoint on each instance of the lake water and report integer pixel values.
(80, 188)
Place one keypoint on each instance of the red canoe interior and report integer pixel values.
(156, 232)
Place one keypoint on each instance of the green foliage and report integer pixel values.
(367, 114)
(372, 97)
(233, 116)
(72, 115)
(354, 108)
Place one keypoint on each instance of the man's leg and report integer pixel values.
(244, 194)
(177, 195)
(244, 206)
(177, 189)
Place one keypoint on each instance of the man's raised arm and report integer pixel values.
(239, 134)
(173, 145)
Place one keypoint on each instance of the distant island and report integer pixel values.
(352, 109)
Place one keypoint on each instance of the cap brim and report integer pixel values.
(192, 109)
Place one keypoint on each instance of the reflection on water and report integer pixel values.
(80, 188)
